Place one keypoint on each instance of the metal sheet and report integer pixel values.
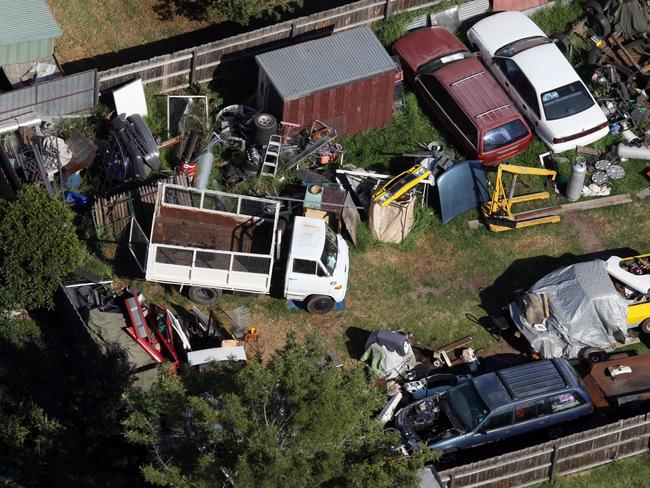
(461, 188)
(28, 31)
(350, 108)
(312, 66)
(472, 9)
(66, 95)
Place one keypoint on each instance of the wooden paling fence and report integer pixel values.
(201, 64)
(565, 456)
(112, 214)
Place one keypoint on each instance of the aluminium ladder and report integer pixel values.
(272, 156)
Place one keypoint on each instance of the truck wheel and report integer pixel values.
(595, 57)
(645, 326)
(265, 125)
(601, 25)
(593, 354)
(204, 296)
(594, 7)
(320, 304)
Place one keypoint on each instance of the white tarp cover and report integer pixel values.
(389, 353)
(585, 311)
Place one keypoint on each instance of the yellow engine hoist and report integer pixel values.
(498, 212)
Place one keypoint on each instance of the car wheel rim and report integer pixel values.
(265, 120)
(322, 305)
(205, 294)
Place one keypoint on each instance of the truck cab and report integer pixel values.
(317, 265)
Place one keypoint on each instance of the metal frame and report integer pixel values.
(192, 269)
(205, 99)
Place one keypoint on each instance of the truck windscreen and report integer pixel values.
(330, 250)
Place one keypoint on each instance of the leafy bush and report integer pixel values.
(391, 29)
(243, 11)
(38, 248)
(297, 421)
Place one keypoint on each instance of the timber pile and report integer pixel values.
(565, 208)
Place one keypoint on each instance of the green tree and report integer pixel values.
(243, 11)
(298, 421)
(38, 248)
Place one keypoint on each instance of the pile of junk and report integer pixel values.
(618, 47)
(412, 371)
(253, 144)
(152, 334)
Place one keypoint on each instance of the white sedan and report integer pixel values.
(540, 80)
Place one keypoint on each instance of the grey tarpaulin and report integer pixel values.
(585, 311)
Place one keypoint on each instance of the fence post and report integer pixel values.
(452, 479)
(551, 475)
(388, 9)
(192, 75)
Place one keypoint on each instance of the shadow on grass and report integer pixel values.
(356, 341)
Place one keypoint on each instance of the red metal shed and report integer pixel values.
(345, 80)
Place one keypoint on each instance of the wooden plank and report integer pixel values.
(643, 194)
(566, 208)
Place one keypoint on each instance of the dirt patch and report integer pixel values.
(589, 228)
(478, 281)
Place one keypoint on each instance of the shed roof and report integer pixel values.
(316, 65)
(27, 20)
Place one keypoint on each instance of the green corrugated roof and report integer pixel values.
(26, 20)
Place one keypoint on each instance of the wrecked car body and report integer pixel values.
(496, 406)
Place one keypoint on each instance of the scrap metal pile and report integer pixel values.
(254, 144)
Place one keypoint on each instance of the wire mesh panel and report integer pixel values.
(172, 255)
(228, 203)
(182, 196)
(252, 264)
(138, 244)
(212, 260)
(256, 208)
(212, 201)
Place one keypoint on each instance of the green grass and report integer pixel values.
(626, 473)
(443, 277)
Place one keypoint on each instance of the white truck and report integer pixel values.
(213, 241)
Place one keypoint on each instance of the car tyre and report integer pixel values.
(204, 296)
(561, 41)
(593, 7)
(594, 57)
(320, 304)
(644, 327)
(600, 25)
(593, 354)
(265, 125)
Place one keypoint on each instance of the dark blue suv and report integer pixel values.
(495, 406)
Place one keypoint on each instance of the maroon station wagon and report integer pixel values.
(463, 95)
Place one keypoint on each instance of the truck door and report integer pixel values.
(138, 244)
(304, 278)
